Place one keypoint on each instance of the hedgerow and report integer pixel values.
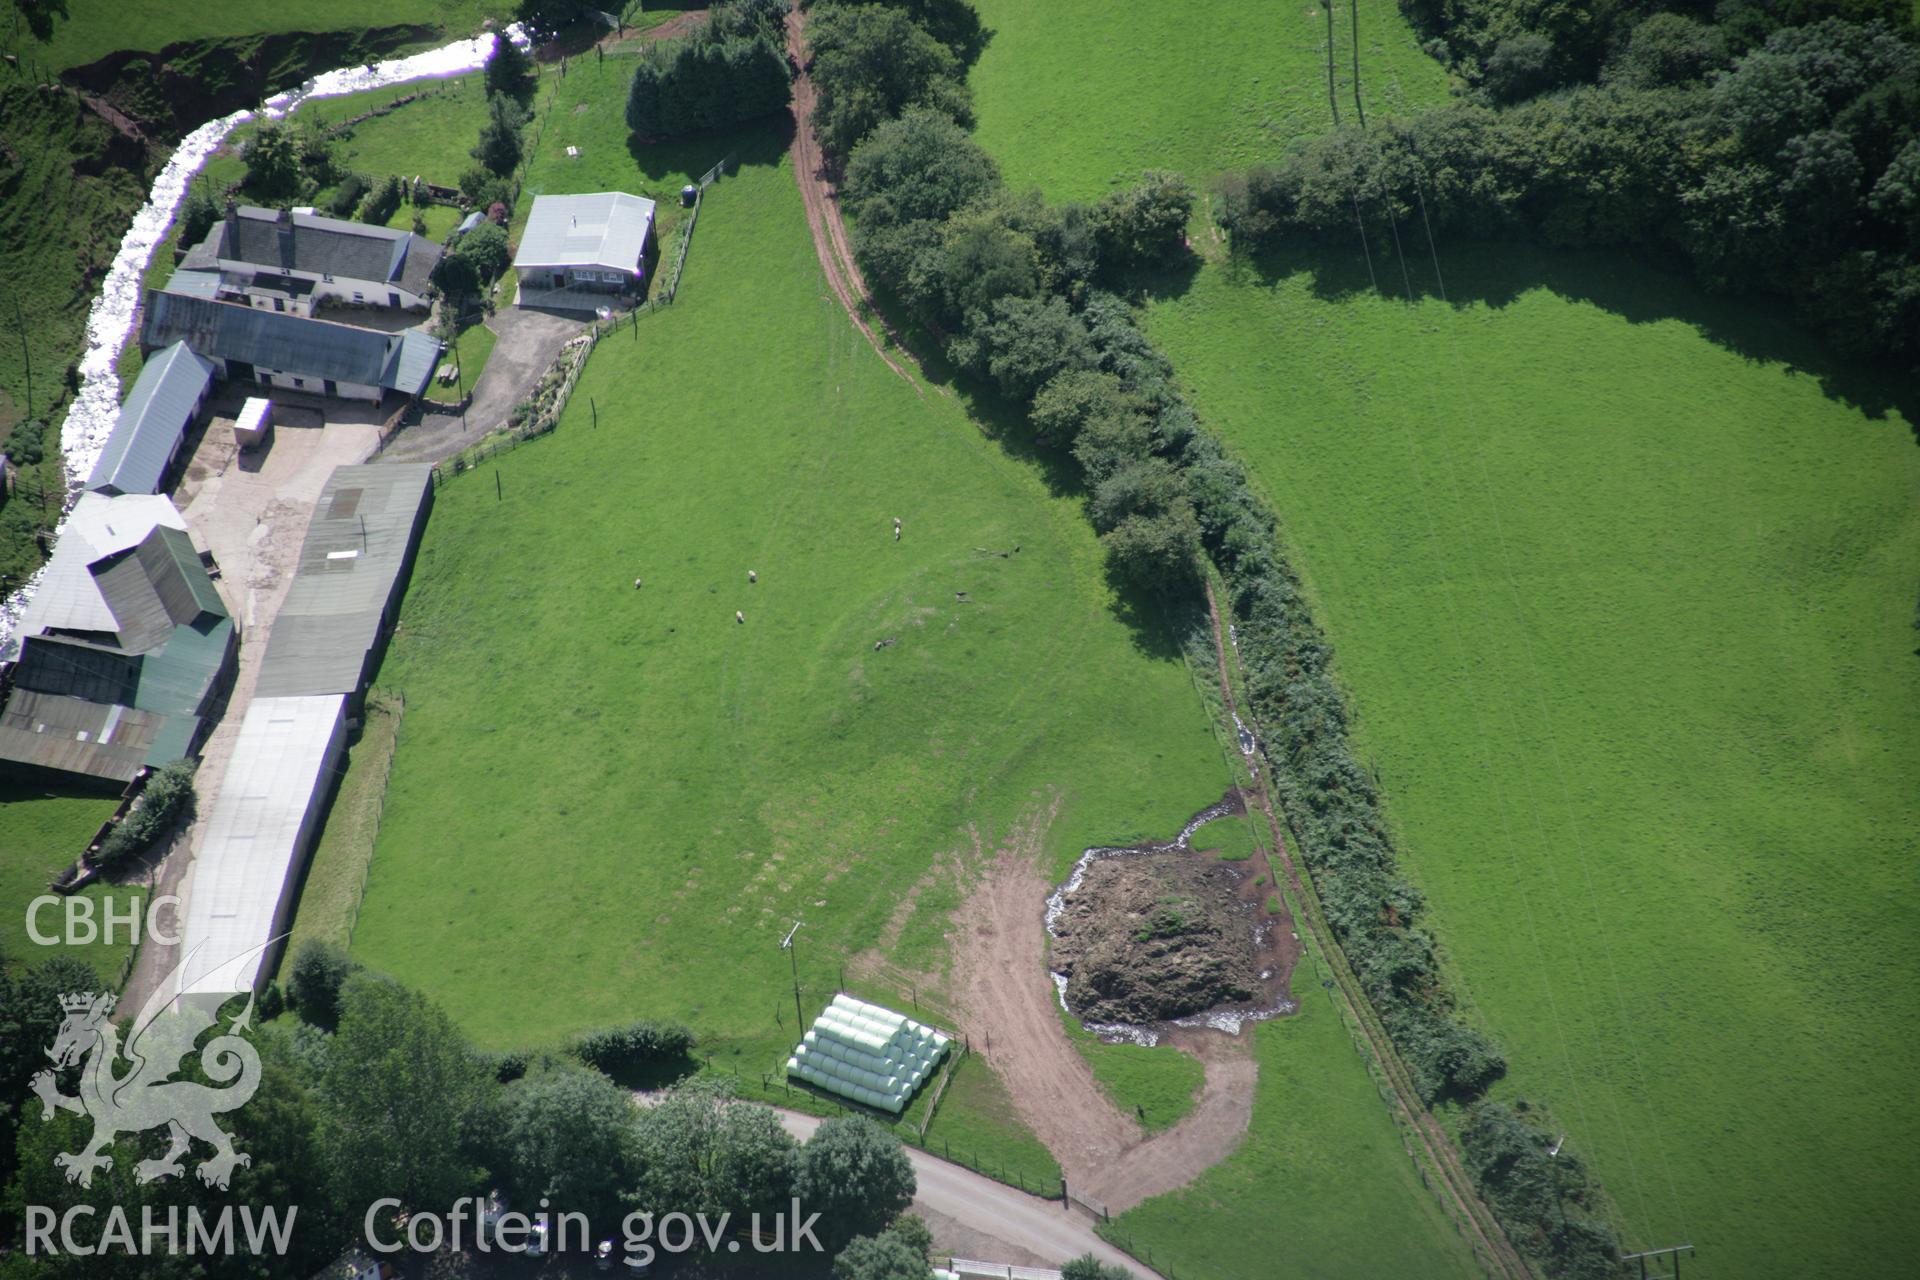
(1021, 291)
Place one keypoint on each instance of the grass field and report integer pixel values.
(1234, 837)
(1633, 655)
(974, 1126)
(95, 28)
(41, 833)
(1323, 1187)
(1157, 1086)
(473, 345)
(1621, 581)
(1076, 97)
(330, 896)
(611, 803)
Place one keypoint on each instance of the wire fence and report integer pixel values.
(700, 186)
(540, 412)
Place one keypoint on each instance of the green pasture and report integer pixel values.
(1621, 580)
(1235, 837)
(42, 830)
(428, 136)
(1157, 1086)
(976, 1125)
(1322, 1187)
(1076, 97)
(472, 347)
(610, 803)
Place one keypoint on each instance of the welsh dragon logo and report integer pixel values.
(131, 1090)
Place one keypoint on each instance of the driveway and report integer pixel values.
(525, 343)
(251, 512)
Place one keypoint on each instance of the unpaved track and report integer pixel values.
(823, 208)
(1456, 1187)
(1012, 1016)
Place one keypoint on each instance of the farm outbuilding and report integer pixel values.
(94, 705)
(291, 351)
(146, 438)
(258, 835)
(326, 641)
(870, 1054)
(577, 249)
(347, 585)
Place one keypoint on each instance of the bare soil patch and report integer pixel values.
(1012, 1014)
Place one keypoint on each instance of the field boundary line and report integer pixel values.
(1489, 1241)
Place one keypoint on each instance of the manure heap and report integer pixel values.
(867, 1053)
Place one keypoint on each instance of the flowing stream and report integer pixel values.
(90, 418)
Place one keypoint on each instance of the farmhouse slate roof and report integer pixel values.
(308, 242)
(294, 344)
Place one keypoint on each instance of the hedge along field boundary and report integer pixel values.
(1018, 288)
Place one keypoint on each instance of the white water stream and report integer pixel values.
(90, 418)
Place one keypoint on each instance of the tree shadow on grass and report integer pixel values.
(763, 142)
(1154, 623)
(1640, 287)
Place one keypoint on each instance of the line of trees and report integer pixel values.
(373, 1092)
(1022, 293)
(1792, 169)
(1506, 50)
(731, 68)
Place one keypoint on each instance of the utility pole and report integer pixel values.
(1333, 93)
(793, 963)
(1356, 62)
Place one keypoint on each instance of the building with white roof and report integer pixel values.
(327, 639)
(597, 243)
(254, 851)
(68, 599)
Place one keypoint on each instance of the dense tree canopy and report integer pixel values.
(709, 1153)
(855, 1175)
(402, 1091)
(870, 63)
(1789, 172)
(732, 68)
(499, 147)
(570, 1135)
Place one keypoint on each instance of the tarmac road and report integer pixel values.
(1040, 1228)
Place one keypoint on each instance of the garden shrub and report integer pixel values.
(623, 1051)
(382, 201)
(167, 798)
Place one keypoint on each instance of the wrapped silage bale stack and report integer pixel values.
(862, 1051)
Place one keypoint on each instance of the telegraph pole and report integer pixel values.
(793, 963)
(1355, 4)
